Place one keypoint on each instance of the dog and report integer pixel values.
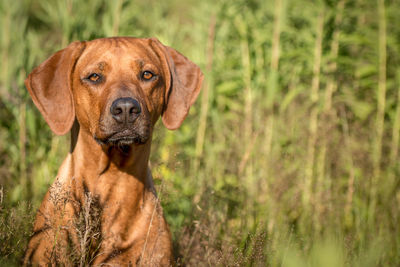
(102, 208)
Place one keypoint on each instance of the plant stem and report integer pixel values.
(201, 131)
(247, 178)
(380, 114)
(272, 89)
(22, 151)
(313, 123)
(394, 148)
(323, 178)
(116, 17)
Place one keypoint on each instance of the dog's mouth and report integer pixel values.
(125, 138)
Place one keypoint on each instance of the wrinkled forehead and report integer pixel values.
(118, 52)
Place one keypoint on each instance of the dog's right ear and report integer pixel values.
(49, 85)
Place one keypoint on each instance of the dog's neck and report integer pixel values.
(107, 159)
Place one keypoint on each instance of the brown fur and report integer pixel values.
(105, 181)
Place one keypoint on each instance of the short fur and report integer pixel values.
(105, 181)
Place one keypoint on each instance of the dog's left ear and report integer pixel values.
(183, 81)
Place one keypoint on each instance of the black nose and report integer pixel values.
(125, 110)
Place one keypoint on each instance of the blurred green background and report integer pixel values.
(290, 156)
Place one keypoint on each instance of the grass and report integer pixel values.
(288, 158)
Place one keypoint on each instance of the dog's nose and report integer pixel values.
(125, 110)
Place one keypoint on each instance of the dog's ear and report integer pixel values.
(49, 85)
(183, 82)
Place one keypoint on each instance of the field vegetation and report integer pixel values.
(290, 156)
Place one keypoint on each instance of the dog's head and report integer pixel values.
(117, 88)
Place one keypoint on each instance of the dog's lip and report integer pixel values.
(125, 137)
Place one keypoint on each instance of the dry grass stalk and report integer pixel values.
(88, 228)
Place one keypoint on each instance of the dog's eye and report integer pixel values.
(147, 75)
(94, 77)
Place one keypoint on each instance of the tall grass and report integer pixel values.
(290, 155)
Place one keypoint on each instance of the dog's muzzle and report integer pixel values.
(127, 124)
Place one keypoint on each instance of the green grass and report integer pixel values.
(283, 162)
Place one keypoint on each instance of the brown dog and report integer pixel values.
(102, 209)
